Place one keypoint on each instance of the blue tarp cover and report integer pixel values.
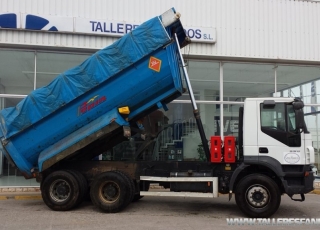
(69, 85)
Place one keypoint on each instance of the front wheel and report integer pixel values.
(258, 196)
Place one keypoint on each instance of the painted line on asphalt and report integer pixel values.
(316, 191)
(28, 197)
(3, 198)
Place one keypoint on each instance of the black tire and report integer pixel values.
(144, 186)
(110, 192)
(60, 191)
(258, 195)
(137, 197)
(83, 185)
(130, 183)
(87, 197)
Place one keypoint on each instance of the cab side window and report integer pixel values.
(273, 118)
(278, 122)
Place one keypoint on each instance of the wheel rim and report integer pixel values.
(109, 191)
(60, 190)
(257, 196)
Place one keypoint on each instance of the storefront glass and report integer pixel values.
(17, 79)
(17, 72)
(50, 65)
(241, 80)
(22, 71)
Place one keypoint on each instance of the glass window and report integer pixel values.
(11, 102)
(247, 80)
(16, 77)
(17, 72)
(50, 65)
(180, 137)
(288, 77)
(205, 79)
(231, 121)
(273, 118)
(275, 124)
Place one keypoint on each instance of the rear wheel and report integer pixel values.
(60, 191)
(110, 191)
(130, 183)
(258, 196)
(83, 185)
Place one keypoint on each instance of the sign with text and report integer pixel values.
(119, 28)
(103, 27)
(89, 26)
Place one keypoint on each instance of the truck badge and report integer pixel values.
(90, 104)
(155, 64)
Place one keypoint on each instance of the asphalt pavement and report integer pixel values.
(151, 213)
(23, 208)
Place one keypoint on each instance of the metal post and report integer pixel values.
(318, 162)
(195, 108)
(275, 79)
(35, 71)
(221, 103)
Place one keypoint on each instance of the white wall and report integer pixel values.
(264, 29)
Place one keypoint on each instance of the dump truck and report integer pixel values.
(56, 133)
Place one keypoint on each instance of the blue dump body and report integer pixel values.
(140, 70)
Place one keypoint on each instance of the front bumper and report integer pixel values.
(299, 185)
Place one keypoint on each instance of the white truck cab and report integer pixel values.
(276, 139)
(270, 130)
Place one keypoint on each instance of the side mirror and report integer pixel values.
(298, 105)
(299, 119)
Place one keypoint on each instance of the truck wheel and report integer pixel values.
(60, 191)
(83, 185)
(110, 191)
(130, 183)
(142, 188)
(258, 196)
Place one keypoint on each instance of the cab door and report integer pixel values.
(277, 136)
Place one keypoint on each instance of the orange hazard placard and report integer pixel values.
(155, 64)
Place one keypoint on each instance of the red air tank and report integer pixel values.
(216, 149)
(229, 149)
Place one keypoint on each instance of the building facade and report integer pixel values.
(239, 49)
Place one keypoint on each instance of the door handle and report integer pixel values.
(263, 150)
